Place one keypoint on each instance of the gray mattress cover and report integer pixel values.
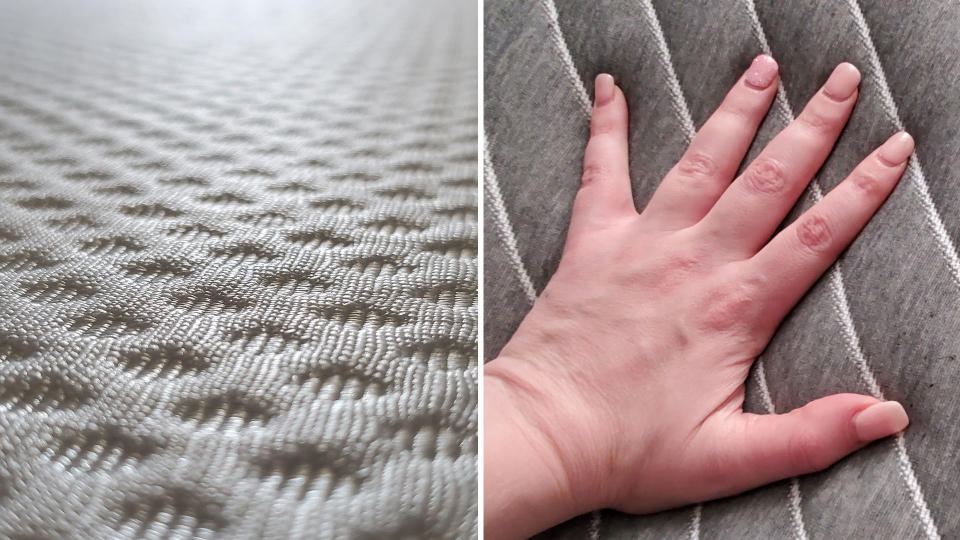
(238, 269)
(884, 321)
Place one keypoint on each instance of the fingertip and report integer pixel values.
(843, 82)
(604, 89)
(762, 72)
(850, 69)
(897, 149)
(880, 420)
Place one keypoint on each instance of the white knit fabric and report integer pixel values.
(238, 269)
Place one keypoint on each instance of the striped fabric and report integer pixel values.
(882, 321)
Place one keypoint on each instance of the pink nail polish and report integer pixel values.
(603, 89)
(762, 72)
(897, 149)
(880, 420)
(842, 82)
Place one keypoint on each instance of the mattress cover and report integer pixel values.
(883, 321)
(238, 269)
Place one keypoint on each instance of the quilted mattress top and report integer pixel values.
(238, 269)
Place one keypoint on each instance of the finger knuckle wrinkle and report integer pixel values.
(600, 127)
(813, 232)
(592, 173)
(683, 262)
(809, 452)
(817, 121)
(697, 165)
(736, 110)
(766, 175)
(867, 182)
(727, 307)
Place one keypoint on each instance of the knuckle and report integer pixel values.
(729, 306)
(808, 452)
(813, 233)
(696, 166)
(602, 126)
(766, 175)
(683, 262)
(592, 173)
(671, 272)
(867, 182)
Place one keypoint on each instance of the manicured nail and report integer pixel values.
(842, 82)
(603, 88)
(880, 420)
(897, 149)
(762, 72)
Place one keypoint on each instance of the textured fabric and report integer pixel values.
(238, 276)
(883, 322)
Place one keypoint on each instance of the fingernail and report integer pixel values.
(880, 420)
(842, 82)
(762, 72)
(603, 88)
(897, 149)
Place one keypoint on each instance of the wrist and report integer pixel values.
(532, 479)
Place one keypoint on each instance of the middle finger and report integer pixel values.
(748, 212)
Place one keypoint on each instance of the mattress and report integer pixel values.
(238, 269)
(883, 321)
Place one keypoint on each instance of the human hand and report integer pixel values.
(624, 385)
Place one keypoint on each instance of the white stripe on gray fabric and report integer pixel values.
(556, 34)
(849, 331)
(944, 243)
(838, 291)
(761, 376)
(693, 529)
(677, 100)
(914, 169)
(594, 531)
(501, 222)
(796, 512)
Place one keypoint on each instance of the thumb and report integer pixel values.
(814, 436)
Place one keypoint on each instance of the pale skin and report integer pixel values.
(624, 386)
